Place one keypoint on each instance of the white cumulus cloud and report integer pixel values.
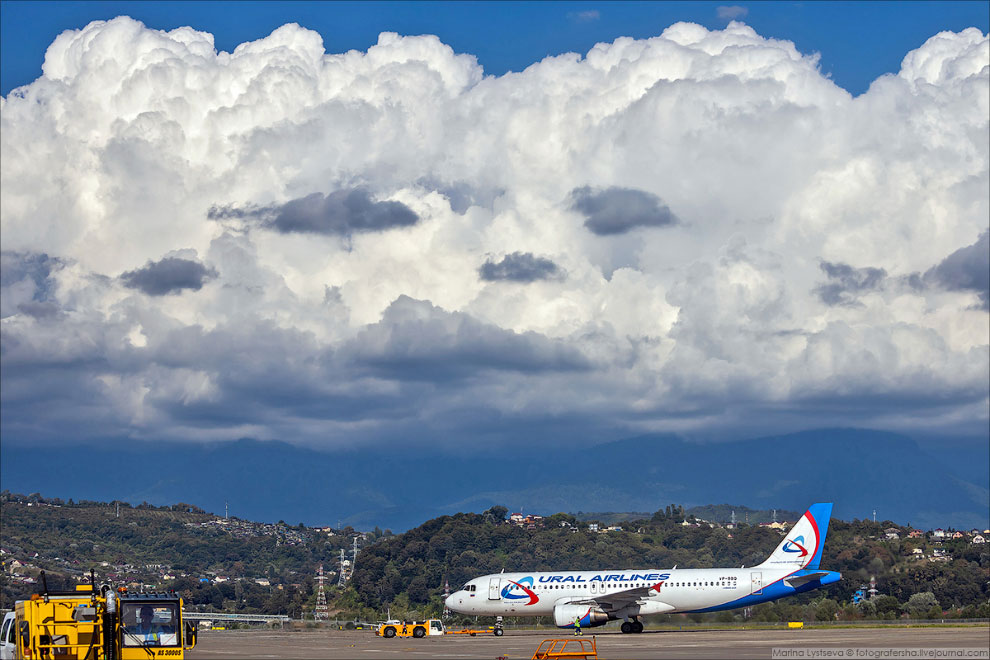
(695, 232)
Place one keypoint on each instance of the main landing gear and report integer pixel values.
(633, 626)
(498, 627)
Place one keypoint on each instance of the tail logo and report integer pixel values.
(527, 592)
(796, 545)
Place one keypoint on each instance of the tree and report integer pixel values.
(919, 604)
(868, 609)
(887, 605)
(826, 610)
(495, 514)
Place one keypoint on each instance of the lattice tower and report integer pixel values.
(322, 612)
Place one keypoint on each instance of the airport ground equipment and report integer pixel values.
(566, 649)
(490, 630)
(101, 624)
(393, 628)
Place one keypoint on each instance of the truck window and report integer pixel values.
(150, 624)
(4, 629)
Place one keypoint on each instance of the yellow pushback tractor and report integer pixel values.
(100, 624)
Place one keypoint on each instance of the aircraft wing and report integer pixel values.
(798, 580)
(619, 599)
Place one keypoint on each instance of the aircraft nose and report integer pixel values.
(450, 601)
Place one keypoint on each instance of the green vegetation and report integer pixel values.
(409, 569)
(185, 549)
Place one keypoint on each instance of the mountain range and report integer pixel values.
(859, 470)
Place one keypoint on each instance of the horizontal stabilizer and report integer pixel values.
(798, 580)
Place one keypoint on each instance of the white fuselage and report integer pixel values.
(595, 597)
(670, 590)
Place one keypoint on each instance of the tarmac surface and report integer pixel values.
(515, 645)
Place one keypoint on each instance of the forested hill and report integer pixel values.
(408, 570)
(238, 565)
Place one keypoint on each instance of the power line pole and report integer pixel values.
(322, 612)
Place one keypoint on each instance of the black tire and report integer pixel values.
(419, 631)
(499, 632)
(389, 632)
(637, 626)
(626, 627)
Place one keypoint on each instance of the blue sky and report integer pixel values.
(858, 41)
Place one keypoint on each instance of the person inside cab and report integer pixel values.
(145, 627)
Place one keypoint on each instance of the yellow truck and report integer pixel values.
(91, 624)
(394, 628)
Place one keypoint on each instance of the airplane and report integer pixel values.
(593, 598)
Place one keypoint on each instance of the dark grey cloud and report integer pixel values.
(618, 210)
(229, 211)
(169, 275)
(966, 269)
(846, 282)
(343, 212)
(520, 267)
(417, 341)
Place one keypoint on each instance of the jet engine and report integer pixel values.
(589, 615)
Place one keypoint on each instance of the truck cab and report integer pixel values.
(86, 624)
(152, 622)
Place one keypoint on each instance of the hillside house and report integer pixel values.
(979, 539)
(531, 521)
(775, 525)
(938, 533)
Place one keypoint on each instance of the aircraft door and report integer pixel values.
(493, 589)
(757, 582)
